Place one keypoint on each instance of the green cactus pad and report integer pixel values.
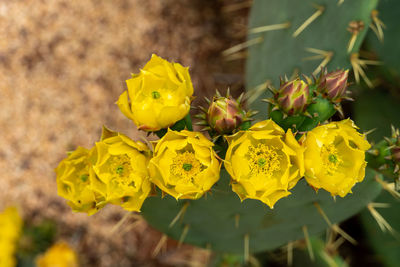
(280, 53)
(211, 220)
(368, 118)
(388, 50)
(386, 244)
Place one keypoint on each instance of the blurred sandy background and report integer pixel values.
(63, 64)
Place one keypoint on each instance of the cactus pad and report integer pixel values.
(279, 52)
(211, 222)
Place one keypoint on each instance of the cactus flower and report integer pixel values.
(10, 230)
(293, 97)
(58, 255)
(264, 162)
(225, 115)
(334, 157)
(160, 95)
(121, 169)
(334, 84)
(74, 177)
(184, 164)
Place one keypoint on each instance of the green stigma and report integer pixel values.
(119, 170)
(261, 162)
(84, 177)
(333, 158)
(155, 94)
(187, 166)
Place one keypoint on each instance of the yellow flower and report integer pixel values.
(264, 162)
(10, 230)
(184, 164)
(74, 177)
(121, 169)
(160, 95)
(335, 157)
(58, 255)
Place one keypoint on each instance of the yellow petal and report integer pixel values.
(123, 104)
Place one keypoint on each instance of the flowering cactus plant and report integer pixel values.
(248, 172)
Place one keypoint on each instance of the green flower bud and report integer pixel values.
(225, 115)
(293, 97)
(333, 85)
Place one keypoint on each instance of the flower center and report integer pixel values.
(263, 159)
(262, 162)
(84, 177)
(155, 94)
(185, 165)
(330, 158)
(120, 169)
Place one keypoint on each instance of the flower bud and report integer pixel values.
(293, 97)
(225, 114)
(334, 84)
(396, 154)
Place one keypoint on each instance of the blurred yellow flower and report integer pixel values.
(121, 171)
(74, 177)
(335, 157)
(160, 95)
(264, 162)
(58, 255)
(10, 230)
(184, 164)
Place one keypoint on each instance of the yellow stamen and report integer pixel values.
(263, 159)
(186, 166)
(330, 158)
(120, 168)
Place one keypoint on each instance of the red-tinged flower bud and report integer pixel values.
(334, 84)
(225, 115)
(293, 97)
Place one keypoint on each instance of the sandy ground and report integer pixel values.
(63, 64)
